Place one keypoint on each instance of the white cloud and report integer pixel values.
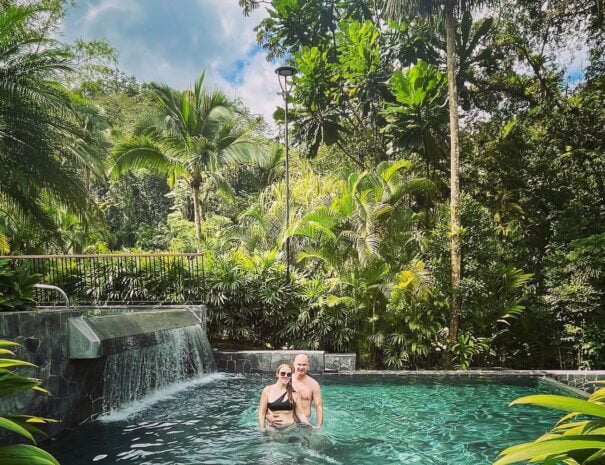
(94, 12)
(259, 89)
(174, 41)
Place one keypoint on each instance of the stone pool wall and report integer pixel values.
(266, 361)
(340, 362)
(76, 386)
(582, 380)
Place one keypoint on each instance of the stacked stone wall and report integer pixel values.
(266, 361)
(76, 386)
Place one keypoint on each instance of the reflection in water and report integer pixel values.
(418, 420)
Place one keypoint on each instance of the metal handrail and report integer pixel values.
(54, 288)
(104, 278)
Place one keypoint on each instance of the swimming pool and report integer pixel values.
(369, 420)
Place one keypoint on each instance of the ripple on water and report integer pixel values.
(434, 421)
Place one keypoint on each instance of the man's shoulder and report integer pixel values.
(307, 381)
(312, 382)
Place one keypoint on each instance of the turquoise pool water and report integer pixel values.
(369, 420)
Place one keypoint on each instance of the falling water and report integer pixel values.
(177, 355)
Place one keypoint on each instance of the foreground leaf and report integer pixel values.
(23, 454)
(532, 450)
(15, 428)
(567, 404)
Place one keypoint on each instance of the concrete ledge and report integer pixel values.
(95, 336)
(84, 343)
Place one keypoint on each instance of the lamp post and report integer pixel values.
(285, 72)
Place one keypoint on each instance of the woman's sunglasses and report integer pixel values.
(283, 373)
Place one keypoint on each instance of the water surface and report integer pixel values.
(369, 420)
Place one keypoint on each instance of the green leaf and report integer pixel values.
(11, 383)
(29, 427)
(596, 456)
(524, 452)
(567, 404)
(387, 169)
(4, 343)
(6, 363)
(23, 454)
(16, 428)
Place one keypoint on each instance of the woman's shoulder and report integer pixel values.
(267, 389)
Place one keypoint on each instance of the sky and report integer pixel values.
(173, 41)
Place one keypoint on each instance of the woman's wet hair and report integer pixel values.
(289, 388)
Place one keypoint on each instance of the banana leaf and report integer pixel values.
(16, 428)
(544, 449)
(12, 383)
(567, 404)
(23, 454)
(7, 362)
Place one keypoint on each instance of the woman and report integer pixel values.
(280, 398)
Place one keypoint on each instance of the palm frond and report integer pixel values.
(141, 153)
(222, 185)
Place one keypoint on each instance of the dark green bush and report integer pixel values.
(16, 287)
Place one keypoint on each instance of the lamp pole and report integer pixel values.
(285, 72)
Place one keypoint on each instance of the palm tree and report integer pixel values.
(428, 8)
(194, 133)
(266, 164)
(44, 142)
(348, 234)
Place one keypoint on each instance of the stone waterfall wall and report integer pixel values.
(266, 361)
(76, 385)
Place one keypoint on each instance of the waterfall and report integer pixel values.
(175, 355)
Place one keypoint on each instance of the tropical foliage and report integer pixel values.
(577, 439)
(46, 147)
(16, 287)
(25, 426)
(190, 136)
(373, 207)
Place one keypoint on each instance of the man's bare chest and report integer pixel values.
(303, 390)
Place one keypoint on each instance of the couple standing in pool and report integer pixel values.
(288, 401)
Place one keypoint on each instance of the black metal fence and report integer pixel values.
(106, 279)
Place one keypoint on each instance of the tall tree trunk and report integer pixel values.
(456, 256)
(195, 188)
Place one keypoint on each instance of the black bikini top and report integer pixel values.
(281, 403)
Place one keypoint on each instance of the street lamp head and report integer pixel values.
(286, 71)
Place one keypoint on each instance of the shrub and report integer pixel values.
(575, 301)
(16, 287)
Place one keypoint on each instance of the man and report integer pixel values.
(308, 390)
